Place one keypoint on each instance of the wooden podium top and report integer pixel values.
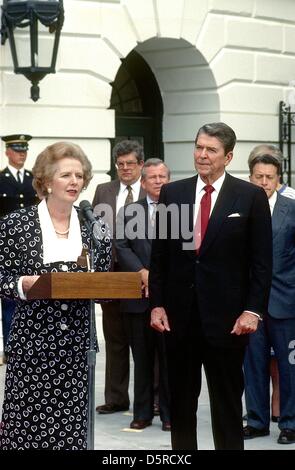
(108, 285)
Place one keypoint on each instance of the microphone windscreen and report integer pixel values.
(85, 206)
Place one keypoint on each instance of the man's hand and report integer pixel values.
(144, 273)
(159, 320)
(246, 323)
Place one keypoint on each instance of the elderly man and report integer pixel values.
(128, 157)
(207, 298)
(134, 252)
(278, 328)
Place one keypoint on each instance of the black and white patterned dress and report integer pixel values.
(45, 398)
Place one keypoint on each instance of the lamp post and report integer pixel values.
(33, 28)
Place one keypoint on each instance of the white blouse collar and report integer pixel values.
(58, 249)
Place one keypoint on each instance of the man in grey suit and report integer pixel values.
(134, 252)
(128, 157)
(278, 327)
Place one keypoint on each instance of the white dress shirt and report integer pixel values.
(150, 205)
(123, 192)
(200, 193)
(15, 170)
(272, 200)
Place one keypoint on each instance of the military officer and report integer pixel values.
(16, 191)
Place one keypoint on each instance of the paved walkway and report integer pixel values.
(112, 432)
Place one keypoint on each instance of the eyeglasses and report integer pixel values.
(128, 164)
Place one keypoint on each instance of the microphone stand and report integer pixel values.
(91, 354)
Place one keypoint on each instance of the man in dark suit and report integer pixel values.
(16, 191)
(133, 247)
(207, 294)
(108, 199)
(278, 328)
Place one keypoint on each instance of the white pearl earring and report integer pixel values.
(49, 190)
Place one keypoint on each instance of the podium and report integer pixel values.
(88, 286)
(106, 285)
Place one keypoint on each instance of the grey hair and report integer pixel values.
(153, 162)
(222, 132)
(265, 149)
(124, 147)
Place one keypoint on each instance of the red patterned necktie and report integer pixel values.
(203, 216)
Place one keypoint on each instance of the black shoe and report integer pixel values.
(109, 408)
(166, 426)
(250, 432)
(275, 419)
(140, 423)
(287, 436)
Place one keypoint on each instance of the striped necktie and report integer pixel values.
(154, 204)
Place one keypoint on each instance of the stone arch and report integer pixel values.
(189, 96)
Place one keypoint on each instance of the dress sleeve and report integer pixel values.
(10, 257)
(103, 250)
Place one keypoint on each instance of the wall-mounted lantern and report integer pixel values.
(33, 28)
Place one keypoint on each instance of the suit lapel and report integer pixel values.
(279, 215)
(11, 178)
(187, 198)
(147, 221)
(224, 203)
(113, 194)
(142, 193)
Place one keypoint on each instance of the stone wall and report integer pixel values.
(229, 60)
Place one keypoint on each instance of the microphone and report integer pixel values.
(87, 212)
(90, 220)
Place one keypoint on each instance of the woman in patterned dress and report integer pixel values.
(45, 398)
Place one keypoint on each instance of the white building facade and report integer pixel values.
(212, 60)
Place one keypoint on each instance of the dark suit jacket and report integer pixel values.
(104, 204)
(134, 253)
(282, 295)
(14, 195)
(232, 272)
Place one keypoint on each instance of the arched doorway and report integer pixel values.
(137, 102)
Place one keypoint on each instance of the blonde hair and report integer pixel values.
(45, 164)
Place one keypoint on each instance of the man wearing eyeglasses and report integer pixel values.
(129, 158)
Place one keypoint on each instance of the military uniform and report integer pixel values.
(15, 195)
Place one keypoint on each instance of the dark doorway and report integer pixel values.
(137, 102)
